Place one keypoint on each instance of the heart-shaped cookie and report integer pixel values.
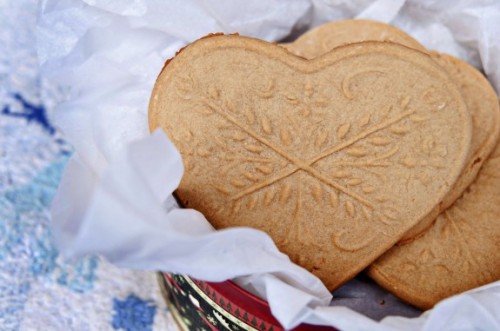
(336, 158)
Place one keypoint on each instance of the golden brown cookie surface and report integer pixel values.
(482, 103)
(335, 158)
(437, 265)
(459, 252)
(486, 123)
(328, 36)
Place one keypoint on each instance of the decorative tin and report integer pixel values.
(199, 305)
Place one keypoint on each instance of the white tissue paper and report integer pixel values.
(115, 195)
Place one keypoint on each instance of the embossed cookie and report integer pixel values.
(459, 252)
(334, 34)
(486, 123)
(313, 152)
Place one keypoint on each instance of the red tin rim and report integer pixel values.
(256, 305)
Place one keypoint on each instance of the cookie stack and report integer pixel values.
(354, 147)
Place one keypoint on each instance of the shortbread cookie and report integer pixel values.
(334, 34)
(335, 158)
(459, 252)
(486, 123)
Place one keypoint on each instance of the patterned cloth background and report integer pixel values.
(38, 289)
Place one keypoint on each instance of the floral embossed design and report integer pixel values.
(426, 156)
(321, 174)
(453, 231)
(368, 144)
(307, 101)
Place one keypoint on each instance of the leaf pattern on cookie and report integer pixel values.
(368, 144)
(291, 149)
